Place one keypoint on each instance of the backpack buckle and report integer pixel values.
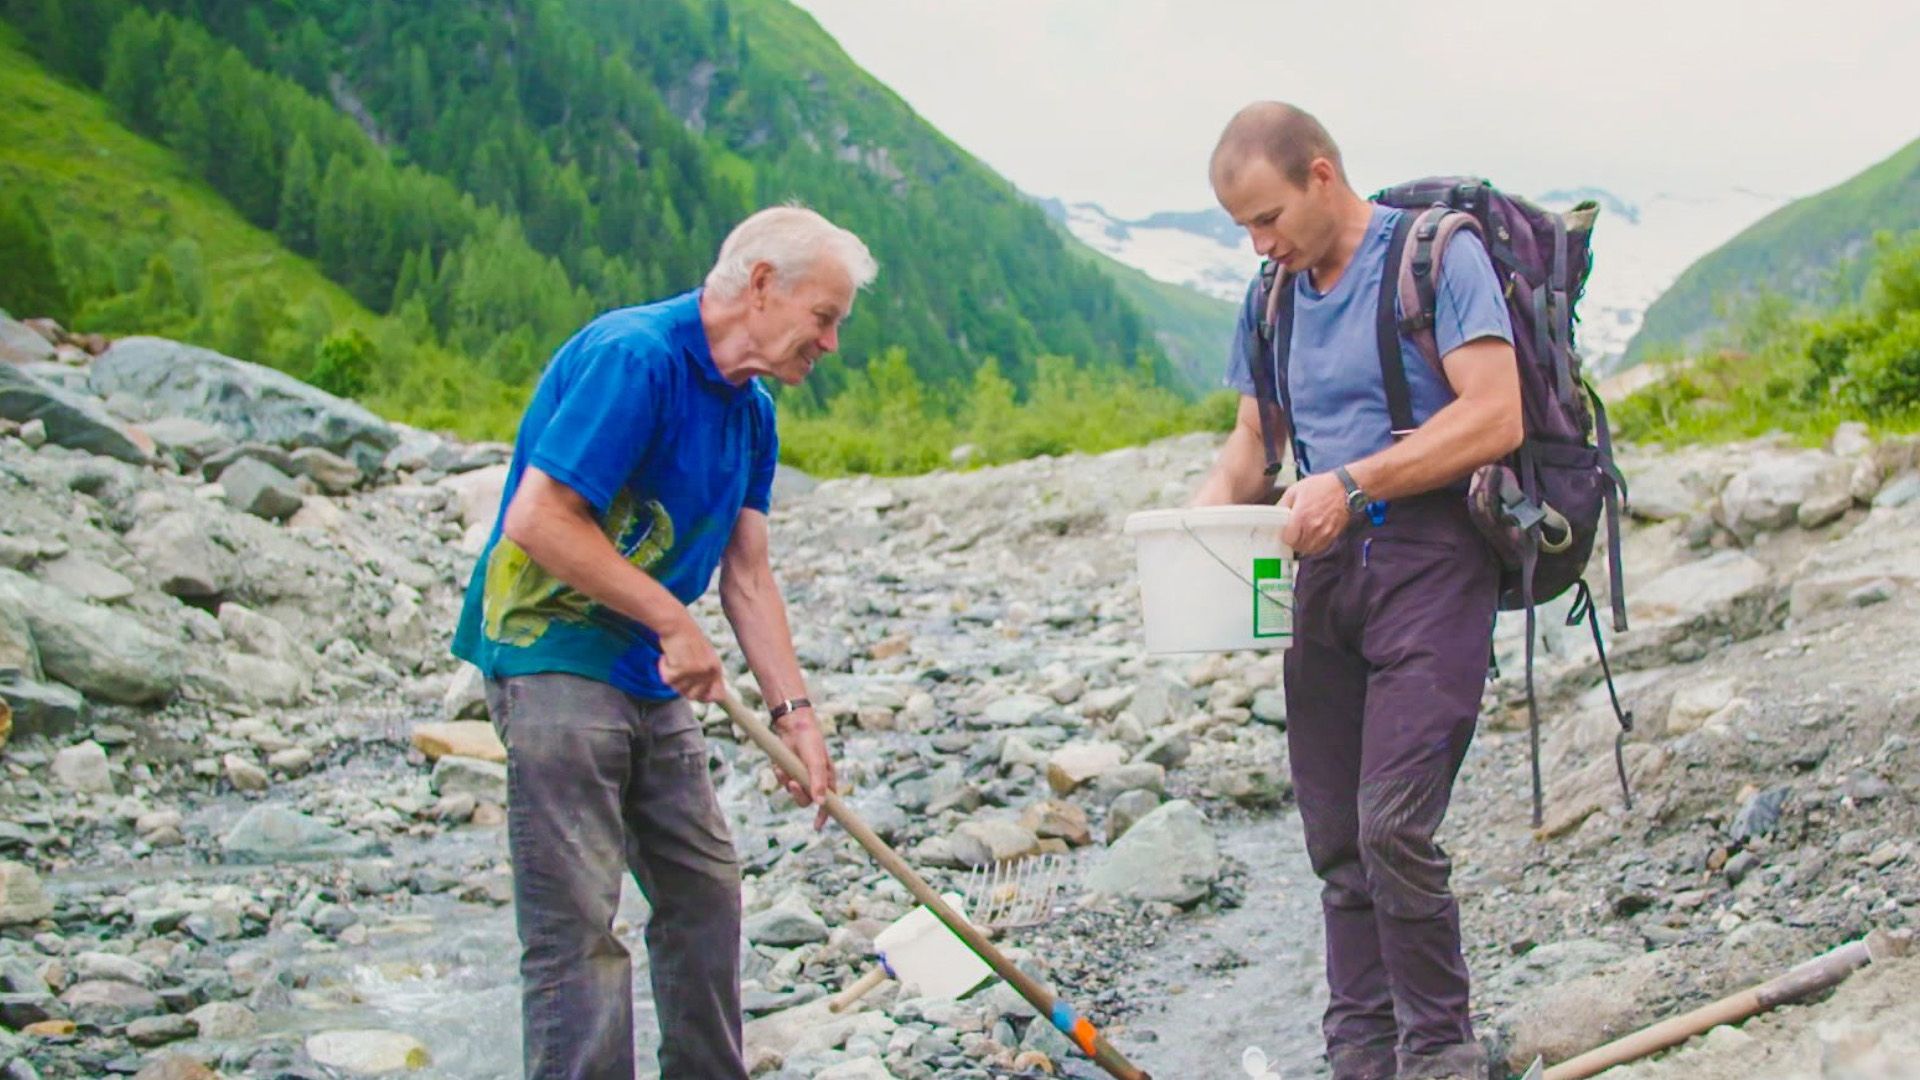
(1519, 510)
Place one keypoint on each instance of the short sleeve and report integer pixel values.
(1470, 305)
(766, 455)
(1245, 343)
(609, 405)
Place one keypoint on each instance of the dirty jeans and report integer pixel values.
(599, 783)
(1383, 684)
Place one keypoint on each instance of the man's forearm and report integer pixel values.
(758, 614)
(1457, 440)
(1239, 475)
(573, 549)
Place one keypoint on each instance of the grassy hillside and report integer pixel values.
(147, 247)
(1809, 251)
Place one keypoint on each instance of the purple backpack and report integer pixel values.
(1541, 507)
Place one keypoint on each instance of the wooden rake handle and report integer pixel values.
(1062, 1015)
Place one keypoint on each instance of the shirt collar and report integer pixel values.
(692, 336)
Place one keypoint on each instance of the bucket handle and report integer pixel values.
(1224, 565)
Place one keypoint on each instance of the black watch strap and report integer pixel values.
(788, 706)
(1356, 499)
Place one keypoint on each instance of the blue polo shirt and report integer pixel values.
(1333, 368)
(633, 415)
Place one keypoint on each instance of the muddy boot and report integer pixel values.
(1374, 1061)
(1465, 1061)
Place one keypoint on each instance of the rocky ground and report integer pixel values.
(250, 823)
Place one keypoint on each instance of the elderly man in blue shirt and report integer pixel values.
(645, 462)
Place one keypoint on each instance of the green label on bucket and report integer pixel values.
(1272, 599)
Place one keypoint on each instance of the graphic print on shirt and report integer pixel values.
(523, 600)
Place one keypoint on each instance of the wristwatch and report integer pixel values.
(1357, 499)
(788, 707)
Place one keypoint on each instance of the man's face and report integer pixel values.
(794, 326)
(1292, 225)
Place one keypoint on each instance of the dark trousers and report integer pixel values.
(1383, 685)
(601, 783)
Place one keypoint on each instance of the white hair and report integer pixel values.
(792, 240)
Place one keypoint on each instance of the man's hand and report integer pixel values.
(1320, 515)
(689, 664)
(801, 733)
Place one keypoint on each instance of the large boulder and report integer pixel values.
(1878, 558)
(248, 401)
(1769, 493)
(100, 652)
(71, 420)
(1169, 855)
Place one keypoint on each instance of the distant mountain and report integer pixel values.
(1200, 249)
(1805, 250)
(1639, 248)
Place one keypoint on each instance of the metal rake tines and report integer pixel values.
(1014, 892)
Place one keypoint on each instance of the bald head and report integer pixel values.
(1285, 137)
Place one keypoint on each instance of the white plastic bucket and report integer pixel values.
(1214, 578)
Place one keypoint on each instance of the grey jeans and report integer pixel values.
(599, 783)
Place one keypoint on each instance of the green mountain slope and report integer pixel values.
(145, 246)
(1809, 251)
(492, 172)
(1195, 329)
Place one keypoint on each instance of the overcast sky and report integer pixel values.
(1119, 101)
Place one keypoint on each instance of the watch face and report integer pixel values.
(1356, 500)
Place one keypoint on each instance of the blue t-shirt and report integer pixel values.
(633, 415)
(1333, 370)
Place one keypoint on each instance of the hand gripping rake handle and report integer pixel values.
(1062, 1015)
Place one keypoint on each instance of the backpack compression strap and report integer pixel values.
(1272, 304)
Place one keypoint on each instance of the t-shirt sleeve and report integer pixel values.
(600, 431)
(1245, 343)
(766, 457)
(1470, 304)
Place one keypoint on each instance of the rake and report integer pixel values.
(1062, 1015)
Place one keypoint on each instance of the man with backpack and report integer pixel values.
(1396, 589)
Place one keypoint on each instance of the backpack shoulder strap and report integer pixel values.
(1419, 276)
(1273, 305)
(1393, 368)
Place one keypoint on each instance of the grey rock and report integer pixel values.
(86, 579)
(160, 1030)
(1899, 492)
(368, 1052)
(248, 401)
(186, 440)
(334, 474)
(22, 900)
(269, 834)
(1169, 856)
(34, 433)
(22, 344)
(1019, 710)
(1768, 493)
(260, 489)
(1126, 810)
(71, 420)
(107, 1003)
(104, 965)
(1759, 815)
(790, 921)
(17, 651)
(82, 769)
(486, 781)
(1159, 699)
(1270, 706)
(183, 558)
(42, 708)
(102, 653)
(1168, 751)
(224, 1020)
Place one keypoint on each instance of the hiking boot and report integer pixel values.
(1464, 1061)
(1372, 1062)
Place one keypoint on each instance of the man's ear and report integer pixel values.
(760, 282)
